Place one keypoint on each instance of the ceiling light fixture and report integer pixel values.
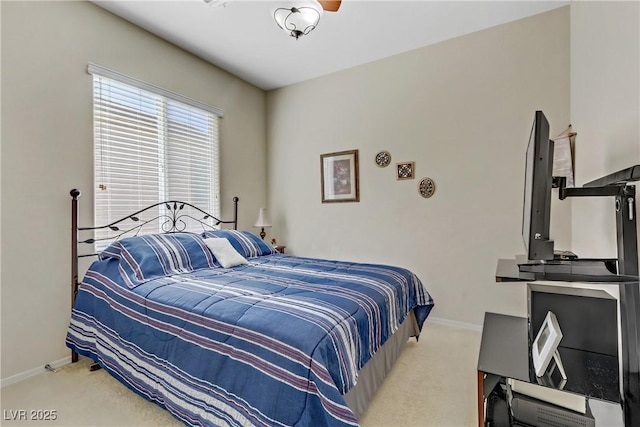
(300, 20)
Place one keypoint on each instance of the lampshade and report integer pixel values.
(300, 19)
(263, 218)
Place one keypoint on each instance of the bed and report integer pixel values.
(260, 339)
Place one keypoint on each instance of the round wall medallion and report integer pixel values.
(383, 159)
(426, 187)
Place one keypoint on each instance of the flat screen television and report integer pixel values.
(538, 180)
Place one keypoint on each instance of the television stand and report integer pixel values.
(616, 185)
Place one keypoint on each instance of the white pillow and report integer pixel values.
(226, 254)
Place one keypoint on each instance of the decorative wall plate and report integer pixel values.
(405, 170)
(383, 159)
(426, 187)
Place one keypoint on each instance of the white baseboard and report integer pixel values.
(33, 372)
(455, 323)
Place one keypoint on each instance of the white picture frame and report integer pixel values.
(546, 344)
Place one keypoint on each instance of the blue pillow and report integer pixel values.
(150, 256)
(246, 243)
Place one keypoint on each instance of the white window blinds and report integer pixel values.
(151, 146)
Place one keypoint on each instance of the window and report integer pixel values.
(150, 146)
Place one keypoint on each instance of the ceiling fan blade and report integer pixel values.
(330, 5)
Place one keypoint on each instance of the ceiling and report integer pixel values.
(242, 37)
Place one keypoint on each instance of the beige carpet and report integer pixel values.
(432, 384)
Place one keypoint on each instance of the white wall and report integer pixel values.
(462, 111)
(47, 149)
(605, 111)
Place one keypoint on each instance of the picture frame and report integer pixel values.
(340, 177)
(405, 170)
(545, 346)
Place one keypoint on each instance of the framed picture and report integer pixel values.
(405, 170)
(339, 177)
(545, 346)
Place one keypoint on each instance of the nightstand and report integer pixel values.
(280, 248)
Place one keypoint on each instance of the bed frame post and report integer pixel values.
(74, 254)
(235, 212)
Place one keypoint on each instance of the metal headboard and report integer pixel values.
(173, 220)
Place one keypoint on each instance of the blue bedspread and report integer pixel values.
(275, 342)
